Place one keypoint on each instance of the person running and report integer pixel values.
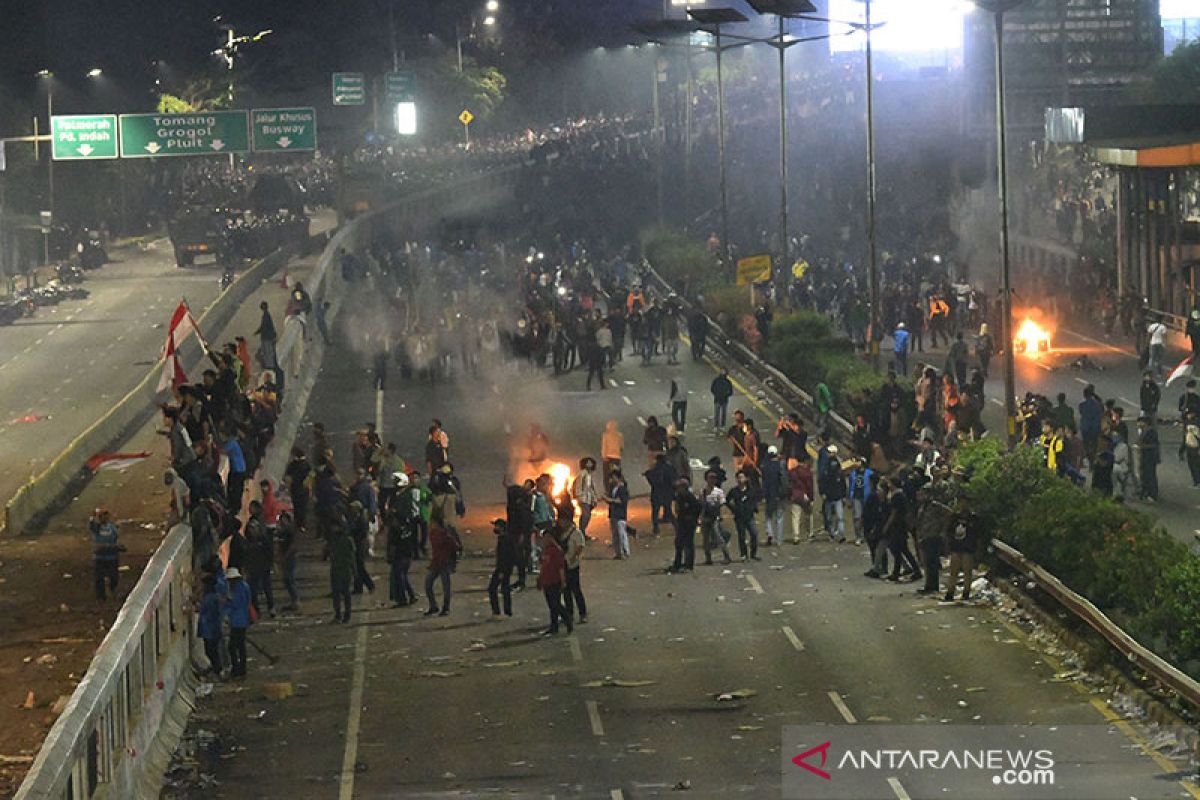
(618, 515)
(552, 577)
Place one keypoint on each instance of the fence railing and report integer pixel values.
(116, 734)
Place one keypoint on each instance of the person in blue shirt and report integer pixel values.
(105, 552)
(900, 348)
(861, 478)
(235, 484)
(209, 628)
(238, 613)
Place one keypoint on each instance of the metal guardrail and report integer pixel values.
(1150, 663)
(112, 718)
(116, 733)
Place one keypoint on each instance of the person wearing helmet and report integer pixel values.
(105, 552)
(775, 494)
(402, 518)
(900, 348)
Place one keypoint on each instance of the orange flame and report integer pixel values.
(560, 478)
(1031, 339)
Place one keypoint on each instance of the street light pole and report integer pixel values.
(785, 244)
(872, 250)
(1010, 387)
(725, 253)
(50, 150)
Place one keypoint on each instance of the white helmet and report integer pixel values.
(401, 479)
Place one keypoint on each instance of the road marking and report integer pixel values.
(997, 401)
(1081, 380)
(641, 421)
(1105, 345)
(354, 717)
(628, 402)
(67, 380)
(36, 342)
(1164, 763)
(576, 650)
(793, 638)
(754, 584)
(613, 384)
(616, 794)
(897, 789)
(379, 412)
(1130, 402)
(842, 708)
(594, 718)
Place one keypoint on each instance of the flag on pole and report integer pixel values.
(1184, 370)
(182, 324)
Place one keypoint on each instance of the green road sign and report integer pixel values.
(201, 134)
(83, 137)
(282, 130)
(349, 89)
(399, 87)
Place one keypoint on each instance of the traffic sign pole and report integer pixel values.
(465, 118)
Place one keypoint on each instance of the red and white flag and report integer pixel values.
(182, 324)
(1184, 370)
(117, 461)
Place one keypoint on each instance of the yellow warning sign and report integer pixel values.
(465, 117)
(753, 269)
(799, 269)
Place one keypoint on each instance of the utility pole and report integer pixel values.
(872, 252)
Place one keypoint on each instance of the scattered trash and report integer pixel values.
(609, 681)
(16, 759)
(973, 689)
(29, 700)
(720, 598)
(962, 703)
(123, 568)
(682, 786)
(47, 659)
(67, 576)
(502, 663)
(749, 727)
(147, 526)
(736, 694)
(60, 705)
(434, 673)
(204, 690)
(260, 715)
(890, 629)
(449, 776)
(475, 647)
(776, 566)
(64, 608)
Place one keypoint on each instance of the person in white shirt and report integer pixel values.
(1158, 340)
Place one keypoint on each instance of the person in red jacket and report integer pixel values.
(800, 483)
(551, 579)
(444, 551)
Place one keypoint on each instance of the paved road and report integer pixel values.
(66, 366)
(1119, 378)
(394, 705)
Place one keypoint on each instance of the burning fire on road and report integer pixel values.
(1031, 338)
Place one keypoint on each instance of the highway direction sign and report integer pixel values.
(83, 137)
(201, 134)
(283, 130)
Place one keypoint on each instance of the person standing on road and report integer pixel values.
(963, 542)
(775, 495)
(360, 532)
(618, 514)
(688, 509)
(238, 612)
(985, 348)
(655, 439)
(895, 529)
(861, 485)
(402, 516)
(573, 590)
(713, 498)
(793, 440)
(267, 338)
(831, 482)
(1148, 459)
(1149, 396)
(800, 489)
(678, 402)
(1157, 333)
(259, 558)
(743, 502)
(443, 552)
(931, 532)
(342, 558)
(208, 626)
(956, 359)
(1189, 447)
(552, 576)
(662, 487)
(1192, 332)
(506, 559)
(235, 484)
(1091, 414)
(105, 552)
(288, 542)
(721, 389)
(698, 331)
(875, 515)
(583, 492)
(596, 355)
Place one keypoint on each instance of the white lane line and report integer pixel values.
(628, 402)
(354, 717)
(1130, 402)
(754, 584)
(36, 342)
(897, 789)
(67, 380)
(613, 384)
(576, 650)
(1105, 345)
(379, 412)
(997, 401)
(793, 638)
(842, 708)
(121, 338)
(1081, 380)
(616, 794)
(594, 718)
(641, 421)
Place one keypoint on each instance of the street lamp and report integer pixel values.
(95, 72)
(492, 5)
(998, 8)
(489, 20)
(714, 18)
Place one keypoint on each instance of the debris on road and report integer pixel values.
(278, 691)
(609, 681)
(736, 694)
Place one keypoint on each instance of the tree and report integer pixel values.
(204, 93)
(1175, 80)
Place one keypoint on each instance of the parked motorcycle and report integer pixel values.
(90, 251)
